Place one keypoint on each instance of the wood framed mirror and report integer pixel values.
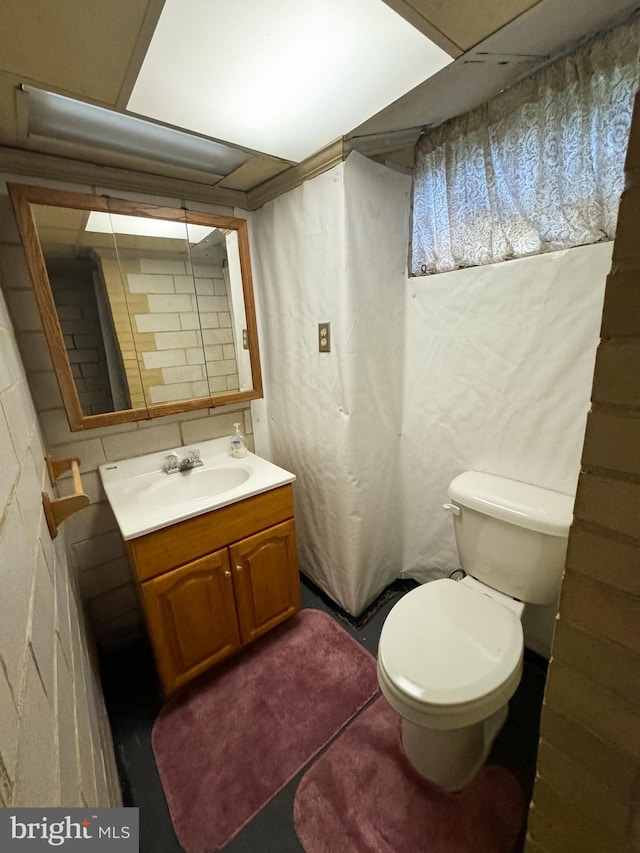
(147, 310)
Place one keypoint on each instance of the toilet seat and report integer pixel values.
(448, 655)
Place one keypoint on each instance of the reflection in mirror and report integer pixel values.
(154, 306)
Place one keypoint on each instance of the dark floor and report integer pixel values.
(134, 700)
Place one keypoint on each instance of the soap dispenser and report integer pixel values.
(238, 443)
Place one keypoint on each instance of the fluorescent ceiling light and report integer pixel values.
(141, 226)
(280, 76)
(58, 117)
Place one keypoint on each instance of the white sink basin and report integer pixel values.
(144, 498)
(197, 485)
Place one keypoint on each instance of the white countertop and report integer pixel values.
(144, 498)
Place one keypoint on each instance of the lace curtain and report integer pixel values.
(537, 169)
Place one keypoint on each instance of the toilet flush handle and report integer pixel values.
(452, 508)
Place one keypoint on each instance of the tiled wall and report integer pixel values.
(55, 746)
(587, 793)
(95, 548)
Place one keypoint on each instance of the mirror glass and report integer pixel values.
(153, 307)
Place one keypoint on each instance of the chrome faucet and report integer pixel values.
(173, 463)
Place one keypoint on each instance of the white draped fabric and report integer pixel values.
(537, 169)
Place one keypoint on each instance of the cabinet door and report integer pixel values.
(192, 620)
(267, 583)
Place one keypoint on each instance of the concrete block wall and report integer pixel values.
(190, 321)
(95, 549)
(78, 311)
(55, 745)
(180, 343)
(110, 272)
(587, 792)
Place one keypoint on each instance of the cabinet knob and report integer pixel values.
(227, 573)
(238, 568)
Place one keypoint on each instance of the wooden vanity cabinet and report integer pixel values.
(191, 618)
(214, 583)
(266, 579)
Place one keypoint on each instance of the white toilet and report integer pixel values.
(450, 651)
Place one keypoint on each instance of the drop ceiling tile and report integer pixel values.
(254, 172)
(466, 23)
(497, 62)
(8, 123)
(84, 48)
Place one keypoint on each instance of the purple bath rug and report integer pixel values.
(363, 796)
(230, 741)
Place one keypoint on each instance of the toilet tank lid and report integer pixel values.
(518, 503)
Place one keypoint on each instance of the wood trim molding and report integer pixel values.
(320, 162)
(382, 143)
(249, 301)
(23, 197)
(17, 161)
(46, 306)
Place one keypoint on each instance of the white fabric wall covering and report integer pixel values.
(498, 373)
(335, 249)
(487, 368)
(498, 378)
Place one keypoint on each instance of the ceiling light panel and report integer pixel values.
(55, 116)
(279, 76)
(143, 226)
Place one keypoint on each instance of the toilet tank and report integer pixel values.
(512, 536)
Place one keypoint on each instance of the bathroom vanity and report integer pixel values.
(222, 568)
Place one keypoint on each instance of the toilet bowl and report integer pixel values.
(450, 652)
(453, 700)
